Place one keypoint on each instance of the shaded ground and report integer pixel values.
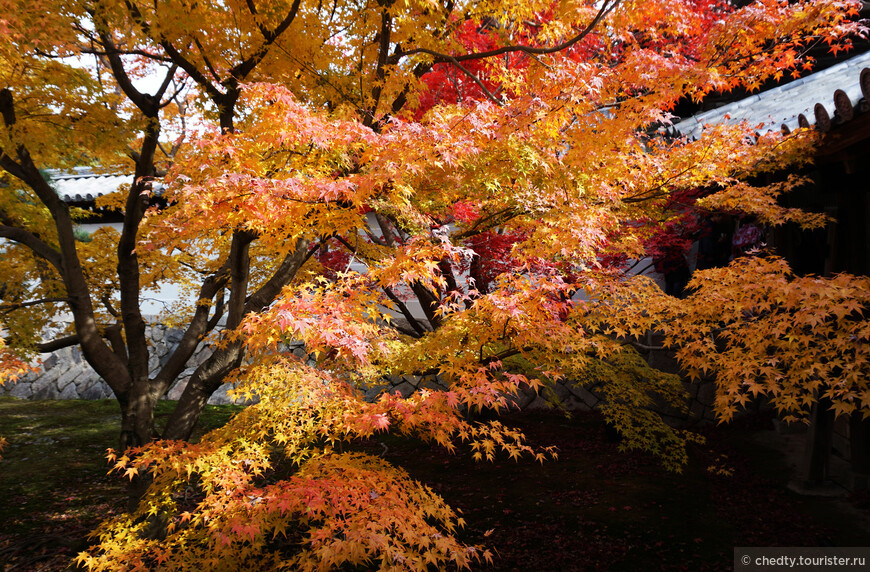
(54, 486)
(595, 508)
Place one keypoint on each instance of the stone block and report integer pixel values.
(561, 391)
(394, 379)
(176, 390)
(432, 383)
(157, 333)
(405, 389)
(412, 379)
(69, 392)
(49, 362)
(571, 403)
(220, 396)
(160, 349)
(84, 382)
(707, 393)
(590, 399)
(29, 377)
(173, 336)
(201, 356)
(107, 391)
(94, 391)
(47, 391)
(510, 405)
(33, 374)
(664, 361)
(21, 390)
(697, 410)
(52, 374)
(523, 397)
(68, 377)
(672, 421)
(43, 381)
(538, 404)
(373, 393)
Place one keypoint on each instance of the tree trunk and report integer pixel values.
(204, 381)
(137, 429)
(137, 416)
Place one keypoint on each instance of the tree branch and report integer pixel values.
(67, 262)
(606, 7)
(207, 61)
(218, 313)
(113, 334)
(210, 375)
(383, 54)
(30, 240)
(173, 53)
(196, 330)
(241, 71)
(495, 219)
(12, 306)
(403, 308)
(489, 95)
(240, 271)
(107, 302)
(128, 258)
(281, 277)
(60, 343)
(143, 53)
(146, 104)
(253, 10)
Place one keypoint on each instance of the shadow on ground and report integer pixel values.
(595, 508)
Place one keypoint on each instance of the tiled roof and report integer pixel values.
(83, 185)
(823, 98)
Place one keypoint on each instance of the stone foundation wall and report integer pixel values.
(64, 374)
(565, 396)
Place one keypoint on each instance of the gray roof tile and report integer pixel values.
(82, 184)
(770, 109)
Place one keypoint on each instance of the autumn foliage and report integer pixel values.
(409, 189)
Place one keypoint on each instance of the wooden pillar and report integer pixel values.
(818, 447)
(859, 439)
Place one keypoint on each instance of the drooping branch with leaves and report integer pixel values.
(314, 189)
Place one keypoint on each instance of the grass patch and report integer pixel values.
(53, 474)
(594, 508)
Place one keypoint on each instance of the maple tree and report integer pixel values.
(312, 192)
